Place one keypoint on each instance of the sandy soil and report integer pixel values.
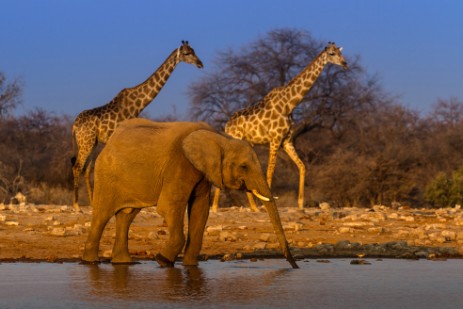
(56, 233)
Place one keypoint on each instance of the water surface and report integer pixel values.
(238, 284)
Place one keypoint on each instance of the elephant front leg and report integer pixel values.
(198, 212)
(124, 219)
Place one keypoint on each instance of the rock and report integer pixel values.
(2, 218)
(325, 248)
(375, 230)
(107, 253)
(260, 246)
(407, 218)
(264, 237)
(228, 257)
(274, 245)
(12, 223)
(324, 206)
(373, 217)
(449, 235)
(343, 244)
(212, 229)
(436, 237)
(293, 226)
(421, 254)
(227, 236)
(58, 231)
(435, 226)
(358, 224)
(345, 230)
(360, 262)
(153, 235)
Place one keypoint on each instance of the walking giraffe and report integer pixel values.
(97, 125)
(270, 120)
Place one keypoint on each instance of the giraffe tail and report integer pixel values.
(73, 158)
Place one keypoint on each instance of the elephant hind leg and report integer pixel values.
(124, 219)
(92, 245)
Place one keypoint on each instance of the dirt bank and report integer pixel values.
(54, 233)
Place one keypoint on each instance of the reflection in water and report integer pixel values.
(193, 285)
(265, 284)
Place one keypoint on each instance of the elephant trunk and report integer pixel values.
(276, 222)
(265, 196)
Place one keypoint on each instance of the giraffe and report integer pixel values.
(96, 125)
(270, 121)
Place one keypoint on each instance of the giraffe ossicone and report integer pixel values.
(96, 125)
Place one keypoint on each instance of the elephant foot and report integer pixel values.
(85, 262)
(188, 261)
(124, 260)
(163, 261)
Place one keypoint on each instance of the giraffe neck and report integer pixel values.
(297, 88)
(135, 99)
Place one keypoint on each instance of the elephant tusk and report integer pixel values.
(260, 196)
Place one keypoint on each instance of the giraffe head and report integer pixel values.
(334, 55)
(187, 54)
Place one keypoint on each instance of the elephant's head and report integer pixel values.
(231, 163)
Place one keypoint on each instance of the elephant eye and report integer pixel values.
(244, 167)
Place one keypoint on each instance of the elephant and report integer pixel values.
(171, 165)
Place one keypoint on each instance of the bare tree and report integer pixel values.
(10, 95)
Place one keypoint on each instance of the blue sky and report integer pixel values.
(75, 55)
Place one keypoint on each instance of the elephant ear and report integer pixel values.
(203, 150)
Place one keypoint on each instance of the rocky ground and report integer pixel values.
(56, 233)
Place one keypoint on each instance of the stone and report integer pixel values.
(58, 231)
(260, 246)
(407, 218)
(227, 236)
(276, 245)
(324, 206)
(358, 224)
(212, 229)
(345, 230)
(107, 253)
(325, 248)
(264, 237)
(12, 223)
(343, 244)
(375, 230)
(153, 235)
(449, 235)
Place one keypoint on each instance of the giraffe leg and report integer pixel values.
(88, 169)
(215, 202)
(76, 170)
(272, 158)
(81, 165)
(289, 149)
(252, 202)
